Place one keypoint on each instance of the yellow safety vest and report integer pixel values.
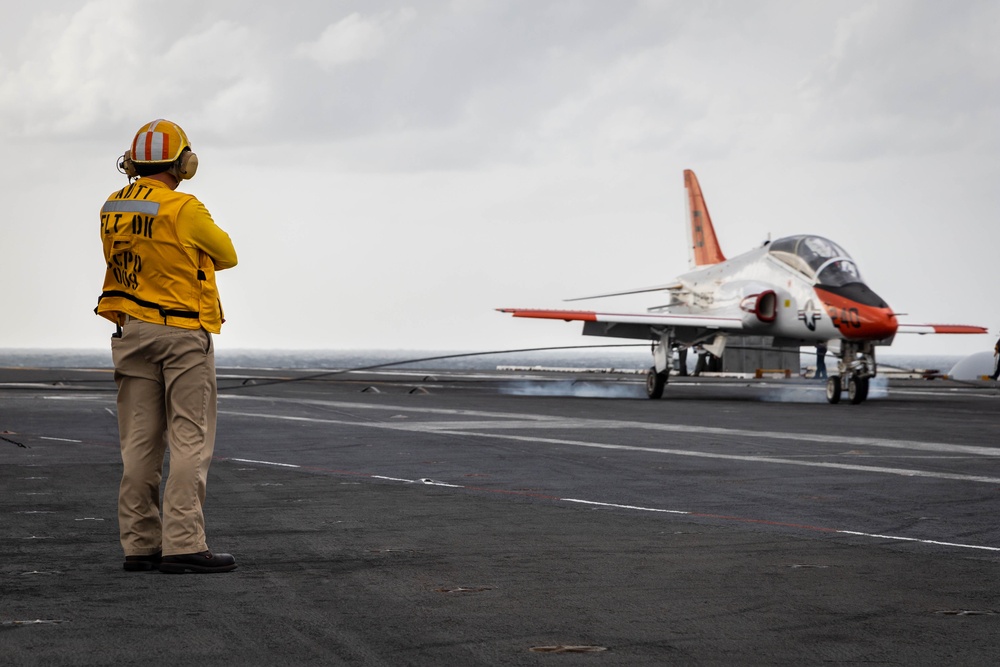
(150, 275)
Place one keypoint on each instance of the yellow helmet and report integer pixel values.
(160, 142)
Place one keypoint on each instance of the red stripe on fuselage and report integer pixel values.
(857, 321)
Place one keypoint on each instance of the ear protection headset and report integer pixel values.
(187, 165)
(183, 168)
(127, 166)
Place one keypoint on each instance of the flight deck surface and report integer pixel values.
(490, 518)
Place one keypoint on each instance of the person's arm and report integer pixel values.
(197, 230)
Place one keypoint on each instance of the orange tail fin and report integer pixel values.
(704, 245)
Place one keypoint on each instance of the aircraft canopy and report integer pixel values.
(820, 259)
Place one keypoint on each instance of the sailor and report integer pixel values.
(682, 360)
(162, 249)
(821, 350)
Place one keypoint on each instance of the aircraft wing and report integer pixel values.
(941, 329)
(651, 319)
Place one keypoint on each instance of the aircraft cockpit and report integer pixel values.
(820, 259)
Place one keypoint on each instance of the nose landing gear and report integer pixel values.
(833, 389)
(854, 372)
(857, 389)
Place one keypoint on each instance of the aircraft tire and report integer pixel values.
(655, 382)
(857, 390)
(833, 389)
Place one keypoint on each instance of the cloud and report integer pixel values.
(59, 84)
(475, 84)
(455, 86)
(86, 72)
(236, 92)
(909, 78)
(458, 85)
(356, 38)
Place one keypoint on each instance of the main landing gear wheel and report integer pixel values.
(857, 390)
(655, 382)
(833, 389)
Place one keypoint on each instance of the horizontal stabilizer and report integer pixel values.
(940, 329)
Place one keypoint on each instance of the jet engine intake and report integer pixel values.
(761, 307)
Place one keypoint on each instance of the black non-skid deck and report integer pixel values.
(479, 518)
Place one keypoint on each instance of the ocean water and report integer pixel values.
(634, 357)
(624, 357)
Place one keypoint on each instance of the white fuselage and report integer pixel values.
(732, 288)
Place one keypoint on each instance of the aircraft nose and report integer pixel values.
(876, 323)
(864, 317)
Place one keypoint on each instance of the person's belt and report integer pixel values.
(164, 313)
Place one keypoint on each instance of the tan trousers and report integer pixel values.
(166, 398)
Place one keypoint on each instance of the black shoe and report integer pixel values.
(201, 563)
(142, 563)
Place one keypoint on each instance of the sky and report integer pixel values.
(391, 173)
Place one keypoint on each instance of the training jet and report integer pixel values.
(800, 290)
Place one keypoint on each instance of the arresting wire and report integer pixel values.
(403, 362)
